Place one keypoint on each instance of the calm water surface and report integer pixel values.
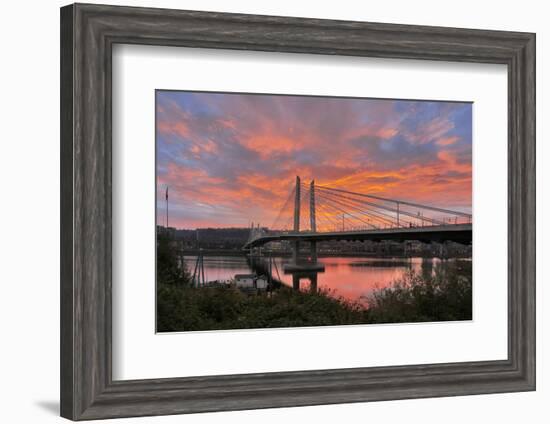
(352, 278)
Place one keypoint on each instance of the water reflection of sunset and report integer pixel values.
(356, 278)
(351, 278)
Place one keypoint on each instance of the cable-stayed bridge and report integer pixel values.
(315, 213)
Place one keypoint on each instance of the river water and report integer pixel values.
(350, 277)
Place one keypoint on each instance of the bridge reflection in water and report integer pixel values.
(350, 277)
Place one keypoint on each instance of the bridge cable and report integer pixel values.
(371, 214)
(284, 208)
(391, 219)
(401, 211)
(350, 214)
(403, 202)
(324, 211)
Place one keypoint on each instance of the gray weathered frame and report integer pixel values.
(88, 33)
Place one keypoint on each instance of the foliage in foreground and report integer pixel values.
(182, 308)
(444, 296)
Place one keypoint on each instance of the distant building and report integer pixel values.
(413, 246)
(250, 281)
(170, 231)
(261, 282)
(244, 281)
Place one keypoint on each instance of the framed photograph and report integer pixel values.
(264, 211)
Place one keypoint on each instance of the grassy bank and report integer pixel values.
(185, 308)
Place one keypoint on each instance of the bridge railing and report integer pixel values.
(266, 232)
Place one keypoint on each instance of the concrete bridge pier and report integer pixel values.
(295, 252)
(311, 276)
(313, 283)
(313, 246)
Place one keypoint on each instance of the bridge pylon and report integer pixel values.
(312, 220)
(297, 198)
(294, 265)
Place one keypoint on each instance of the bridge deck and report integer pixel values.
(459, 233)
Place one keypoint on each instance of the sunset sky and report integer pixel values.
(230, 159)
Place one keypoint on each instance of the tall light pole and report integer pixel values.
(166, 208)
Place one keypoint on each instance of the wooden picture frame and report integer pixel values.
(88, 33)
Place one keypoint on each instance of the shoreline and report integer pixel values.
(237, 253)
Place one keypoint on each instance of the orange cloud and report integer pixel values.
(447, 141)
(176, 128)
(266, 144)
